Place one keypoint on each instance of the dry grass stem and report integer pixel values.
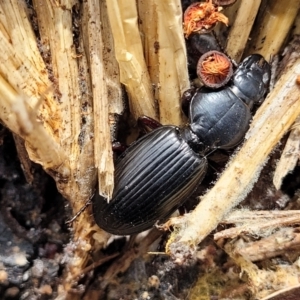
(165, 55)
(241, 27)
(102, 151)
(292, 293)
(129, 53)
(270, 32)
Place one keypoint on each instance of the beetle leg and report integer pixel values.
(81, 210)
(118, 147)
(218, 42)
(146, 123)
(182, 210)
(234, 63)
(186, 99)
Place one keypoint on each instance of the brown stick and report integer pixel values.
(256, 222)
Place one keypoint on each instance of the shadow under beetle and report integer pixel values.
(157, 173)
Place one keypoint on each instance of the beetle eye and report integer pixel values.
(261, 62)
(266, 78)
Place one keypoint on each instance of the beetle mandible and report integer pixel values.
(157, 173)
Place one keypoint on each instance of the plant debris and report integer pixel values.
(202, 17)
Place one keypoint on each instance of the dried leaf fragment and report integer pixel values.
(202, 17)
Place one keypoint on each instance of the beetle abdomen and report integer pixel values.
(152, 180)
(219, 118)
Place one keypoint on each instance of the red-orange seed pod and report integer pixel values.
(214, 69)
(201, 17)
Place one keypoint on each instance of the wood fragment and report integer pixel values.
(103, 155)
(290, 155)
(279, 243)
(124, 261)
(129, 53)
(26, 74)
(280, 277)
(165, 55)
(22, 120)
(290, 293)
(256, 222)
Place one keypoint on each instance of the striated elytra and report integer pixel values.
(153, 178)
(157, 173)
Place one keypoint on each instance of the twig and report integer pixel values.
(256, 222)
(94, 265)
(286, 239)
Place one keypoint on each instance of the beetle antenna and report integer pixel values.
(81, 210)
(211, 151)
(223, 49)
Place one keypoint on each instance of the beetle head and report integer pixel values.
(258, 67)
(252, 78)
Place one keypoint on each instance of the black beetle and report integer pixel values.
(157, 173)
(221, 117)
